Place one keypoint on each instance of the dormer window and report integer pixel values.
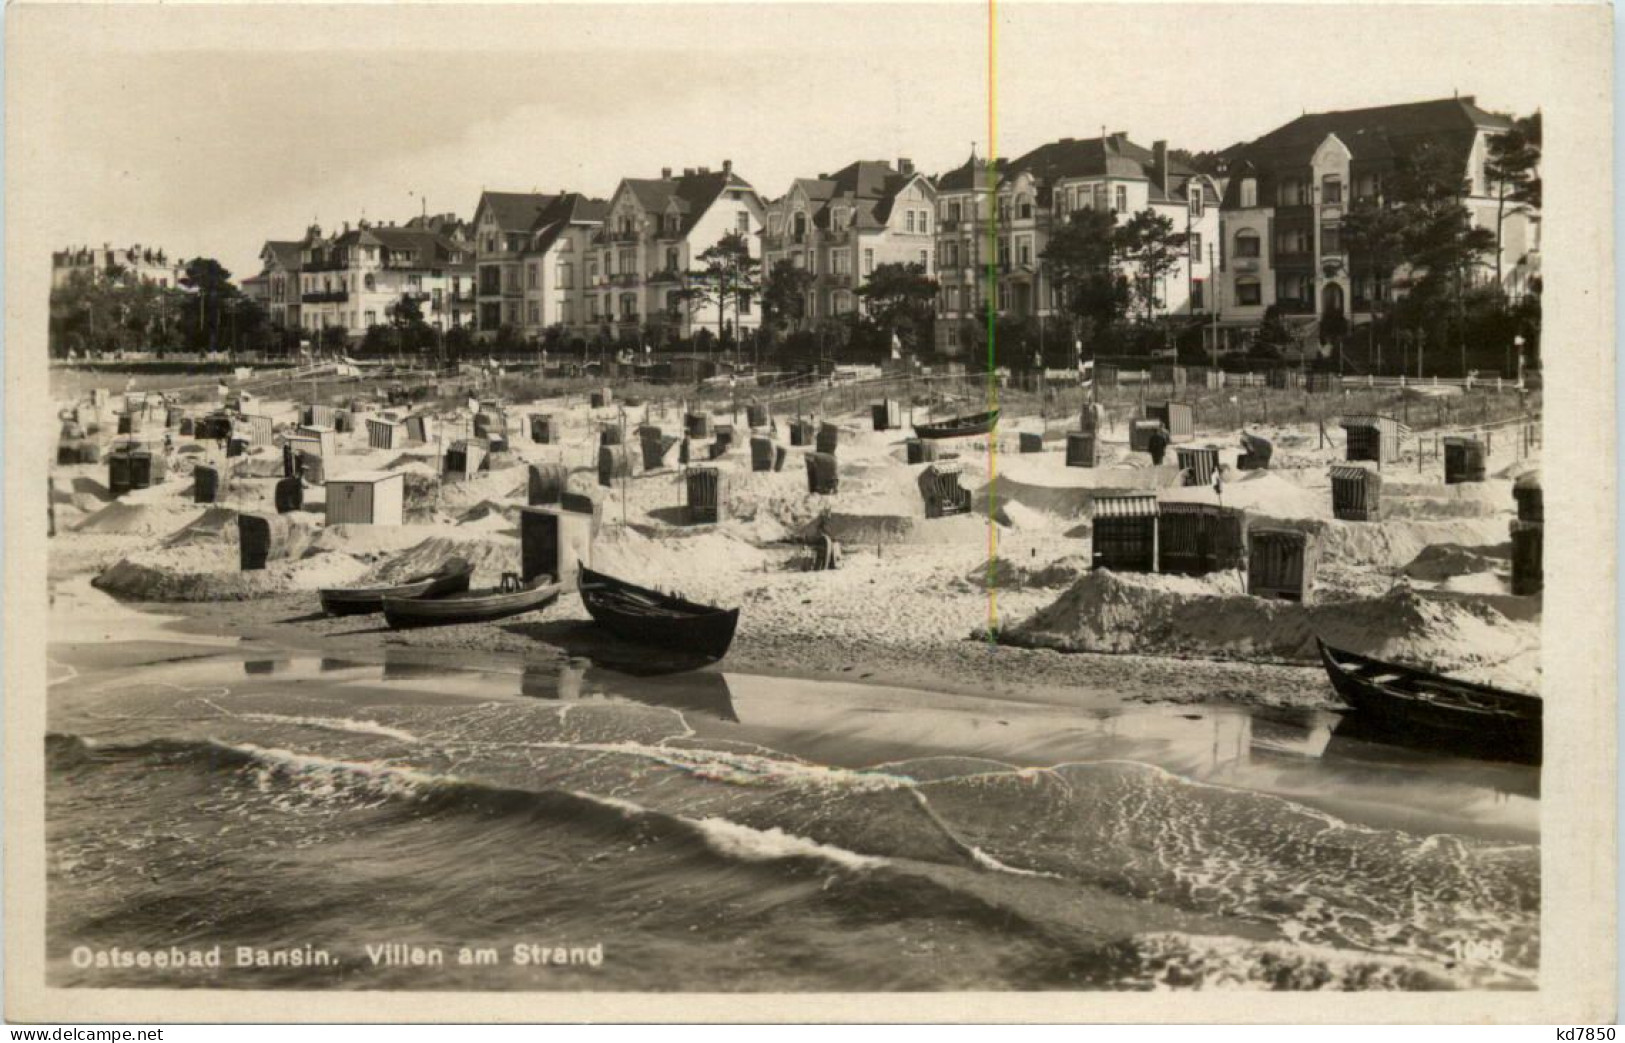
(1249, 192)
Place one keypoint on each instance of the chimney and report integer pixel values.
(905, 167)
(727, 166)
(688, 171)
(1159, 161)
(705, 170)
(665, 173)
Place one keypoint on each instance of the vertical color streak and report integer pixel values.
(992, 355)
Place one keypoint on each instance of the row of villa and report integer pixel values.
(1265, 232)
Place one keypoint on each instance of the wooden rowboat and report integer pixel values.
(959, 426)
(1411, 707)
(473, 606)
(649, 617)
(450, 578)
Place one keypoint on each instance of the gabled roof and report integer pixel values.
(970, 174)
(1374, 135)
(514, 211)
(571, 208)
(284, 252)
(1113, 156)
(689, 195)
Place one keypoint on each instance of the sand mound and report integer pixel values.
(490, 554)
(1445, 561)
(1107, 612)
(218, 525)
(135, 519)
(1397, 543)
(1260, 492)
(203, 573)
(1004, 574)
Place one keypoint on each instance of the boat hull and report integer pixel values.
(959, 427)
(648, 617)
(1413, 708)
(480, 606)
(353, 601)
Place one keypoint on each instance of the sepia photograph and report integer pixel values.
(1035, 501)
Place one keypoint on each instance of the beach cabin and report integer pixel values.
(822, 479)
(489, 423)
(1528, 575)
(420, 427)
(1140, 432)
(1463, 460)
(1170, 376)
(1323, 383)
(1356, 493)
(610, 434)
(1124, 532)
(1197, 464)
(261, 538)
(1177, 417)
(614, 462)
(288, 494)
(302, 447)
(1194, 539)
(921, 450)
(130, 423)
(545, 484)
(316, 416)
(1281, 563)
(205, 484)
(1255, 455)
(940, 488)
(1080, 448)
(1031, 442)
(1371, 437)
(464, 459)
(707, 493)
(801, 432)
(697, 425)
(602, 398)
(756, 415)
(385, 434)
(135, 465)
(887, 414)
(725, 435)
(258, 430)
(761, 453)
(366, 498)
(589, 503)
(326, 438)
(1526, 490)
(829, 438)
(541, 428)
(554, 542)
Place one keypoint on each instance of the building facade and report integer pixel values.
(653, 234)
(1289, 190)
(839, 227)
(1029, 198)
(353, 279)
(141, 263)
(279, 260)
(554, 263)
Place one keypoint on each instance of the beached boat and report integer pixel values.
(1412, 707)
(473, 606)
(649, 617)
(959, 426)
(450, 578)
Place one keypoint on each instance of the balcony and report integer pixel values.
(838, 238)
(329, 297)
(627, 318)
(841, 280)
(773, 242)
(625, 237)
(665, 275)
(329, 265)
(626, 278)
(950, 224)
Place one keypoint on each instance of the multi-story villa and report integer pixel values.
(553, 262)
(653, 235)
(1035, 195)
(138, 262)
(841, 226)
(351, 280)
(279, 260)
(1287, 193)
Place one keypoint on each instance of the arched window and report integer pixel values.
(1024, 207)
(1247, 243)
(671, 259)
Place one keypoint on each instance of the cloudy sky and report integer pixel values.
(210, 130)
